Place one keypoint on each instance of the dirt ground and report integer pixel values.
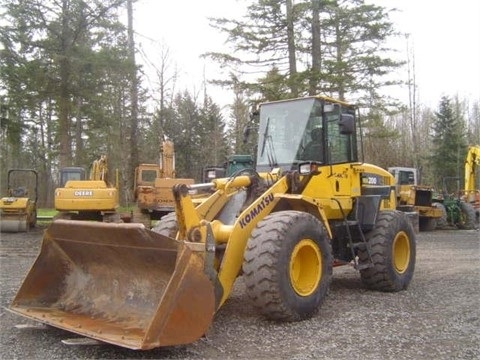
(438, 317)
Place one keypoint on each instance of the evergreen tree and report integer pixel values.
(449, 143)
(332, 47)
(184, 129)
(354, 62)
(65, 71)
(214, 148)
(239, 121)
(54, 49)
(266, 40)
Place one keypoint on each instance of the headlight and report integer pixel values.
(211, 174)
(308, 168)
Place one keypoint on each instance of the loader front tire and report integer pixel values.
(392, 250)
(167, 226)
(287, 266)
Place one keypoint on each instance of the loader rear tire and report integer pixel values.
(167, 226)
(393, 251)
(287, 266)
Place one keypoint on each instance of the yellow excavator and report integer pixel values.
(281, 228)
(153, 187)
(94, 198)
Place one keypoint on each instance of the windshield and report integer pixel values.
(301, 130)
(281, 132)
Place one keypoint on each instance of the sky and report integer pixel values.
(443, 39)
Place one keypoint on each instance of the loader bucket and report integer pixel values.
(118, 283)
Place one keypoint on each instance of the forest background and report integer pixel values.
(72, 89)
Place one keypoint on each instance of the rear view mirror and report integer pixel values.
(346, 124)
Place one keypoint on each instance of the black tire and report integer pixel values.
(442, 221)
(288, 266)
(33, 219)
(393, 251)
(167, 226)
(467, 216)
(427, 224)
(63, 216)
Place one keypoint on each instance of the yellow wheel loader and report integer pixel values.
(281, 227)
(18, 210)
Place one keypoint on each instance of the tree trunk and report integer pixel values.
(316, 49)
(292, 60)
(64, 96)
(134, 159)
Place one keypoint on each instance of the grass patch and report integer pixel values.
(46, 212)
(45, 215)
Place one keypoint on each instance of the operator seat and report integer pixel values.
(19, 192)
(314, 149)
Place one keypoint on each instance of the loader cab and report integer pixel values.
(234, 165)
(315, 128)
(405, 178)
(404, 175)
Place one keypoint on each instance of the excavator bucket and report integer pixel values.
(118, 283)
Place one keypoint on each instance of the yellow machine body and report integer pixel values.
(472, 187)
(86, 195)
(138, 288)
(18, 210)
(153, 186)
(89, 199)
(415, 198)
(16, 214)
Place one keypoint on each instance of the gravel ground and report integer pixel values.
(438, 317)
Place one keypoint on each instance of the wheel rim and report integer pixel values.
(401, 252)
(305, 267)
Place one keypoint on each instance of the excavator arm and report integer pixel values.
(99, 169)
(167, 159)
(471, 162)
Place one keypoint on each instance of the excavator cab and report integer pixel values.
(71, 173)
